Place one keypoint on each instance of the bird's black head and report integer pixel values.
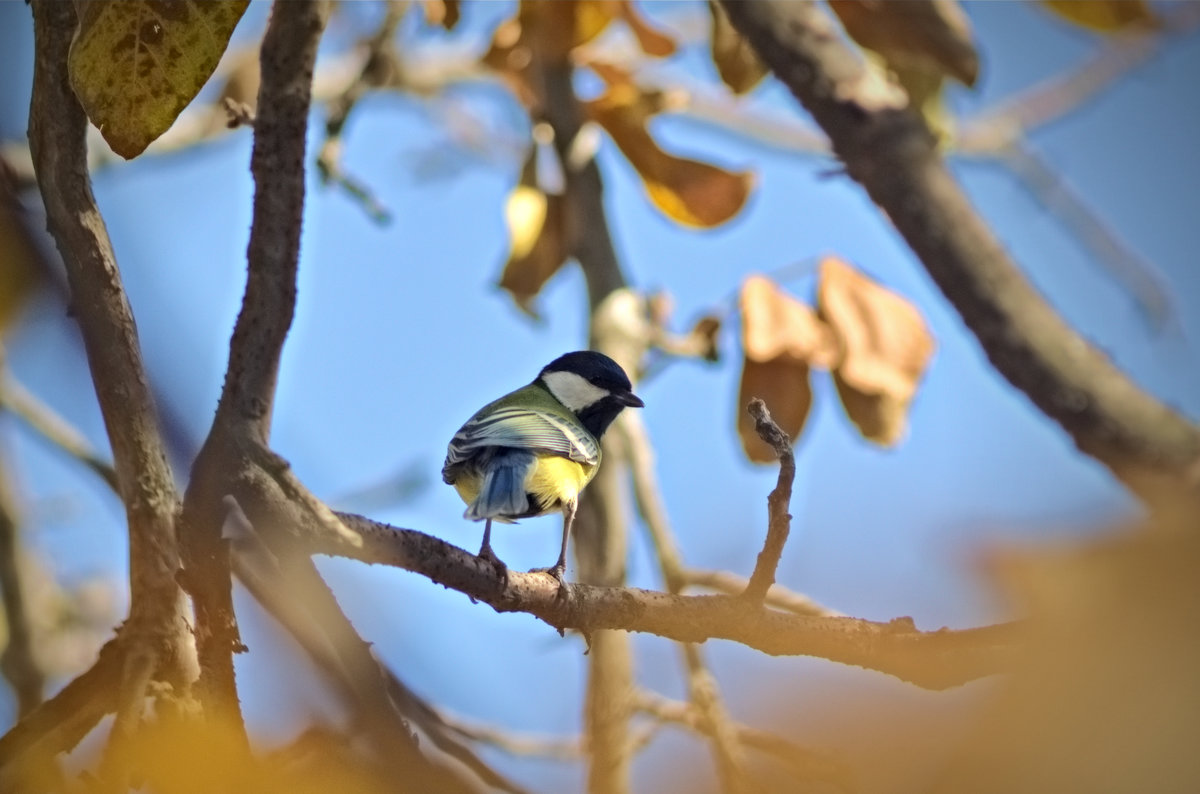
(591, 385)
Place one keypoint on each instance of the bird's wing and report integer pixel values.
(523, 428)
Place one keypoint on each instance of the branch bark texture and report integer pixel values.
(934, 660)
(156, 629)
(891, 153)
(226, 463)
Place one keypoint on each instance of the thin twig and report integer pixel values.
(779, 522)
(59, 723)
(805, 763)
(42, 419)
(17, 661)
(702, 686)
(381, 68)
(778, 596)
(1127, 267)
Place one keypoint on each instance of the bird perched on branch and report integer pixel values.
(532, 451)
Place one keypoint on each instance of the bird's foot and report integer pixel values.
(487, 554)
(558, 573)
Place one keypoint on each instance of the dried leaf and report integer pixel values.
(781, 340)
(784, 387)
(689, 192)
(885, 349)
(775, 325)
(737, 63)
(538, 243)
(135, 64)
(1104, 16)
(927, 35)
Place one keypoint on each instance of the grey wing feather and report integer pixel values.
(522, 428)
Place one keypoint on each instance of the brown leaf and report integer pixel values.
(537, 239)
(135, 64)
(1104, 16)
(929, 35)
(781, 339)
(737, 63)
(885, 349)
(689, 192)
(783, 385)
(776, 325)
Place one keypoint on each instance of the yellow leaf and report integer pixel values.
(738, 64)
(781, 340)
(885, 349)
(135, 64)
(927, 35)
(689, 192)
(1103, 16)
(538, 242)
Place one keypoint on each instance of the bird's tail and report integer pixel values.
(502, 493)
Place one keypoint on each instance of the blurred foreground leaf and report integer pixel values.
(1103, 16)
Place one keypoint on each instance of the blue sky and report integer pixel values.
(400, 335)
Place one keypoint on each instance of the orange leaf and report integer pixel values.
(1103, 16)
(885, 349)
(738, 64)
(928, 35)
(689, 192)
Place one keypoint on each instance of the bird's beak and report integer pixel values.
(629, 399)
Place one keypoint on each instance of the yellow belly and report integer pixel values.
(552, 482)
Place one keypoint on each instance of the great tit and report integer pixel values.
(532, 451)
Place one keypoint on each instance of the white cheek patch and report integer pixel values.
(573, 391)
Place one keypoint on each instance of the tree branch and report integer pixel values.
(157, 627)
(805, 763)
(893, 156)
(933, 660)
(59, 723)
(53, 428)
(226, 463)
(17, 661)
(289, 52)
(779, 522)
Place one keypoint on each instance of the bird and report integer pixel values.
(532, 452)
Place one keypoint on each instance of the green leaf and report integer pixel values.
(136, 64)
